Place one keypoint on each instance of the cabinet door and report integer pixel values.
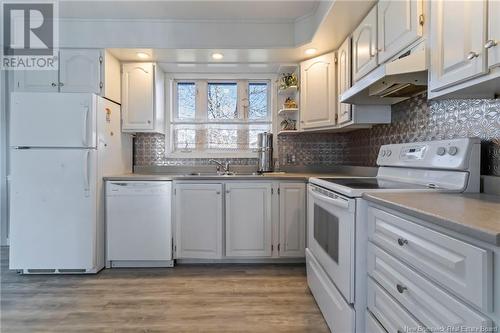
(248, 219)
(318, 92)
(398, 26)
(493, 43)
(344, 79)
(138, 96)
(198, 221)
(80, 71)
(457, 42)
(364, 46)
(292, 220)
(112, 78)
(36, 81)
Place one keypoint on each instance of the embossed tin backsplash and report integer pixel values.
(413, 120)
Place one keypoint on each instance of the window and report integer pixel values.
(218, 117)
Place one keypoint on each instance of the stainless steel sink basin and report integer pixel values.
(227, 174)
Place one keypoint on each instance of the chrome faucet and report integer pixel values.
(221, 166)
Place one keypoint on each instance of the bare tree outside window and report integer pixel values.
(186, 100)
(258, 101)
(222, 101)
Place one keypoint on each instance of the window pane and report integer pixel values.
(222, 101)
(184, 137)
(222, 139)
(253, 133)
(258, 101)
(186, 100)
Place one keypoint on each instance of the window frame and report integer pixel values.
(201, 113)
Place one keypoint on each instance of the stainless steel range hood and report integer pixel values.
(392, 82)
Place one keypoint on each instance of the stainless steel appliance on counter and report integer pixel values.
(265, 150)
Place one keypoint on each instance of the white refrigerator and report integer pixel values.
(61, 146)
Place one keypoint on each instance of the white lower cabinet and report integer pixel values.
(390, 315)
(198, 221)
(236, 219)
(248, 219)
(462, 268)
(292, 222)
(372, 325)
(428, 303)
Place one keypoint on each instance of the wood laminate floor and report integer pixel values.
(188, 298)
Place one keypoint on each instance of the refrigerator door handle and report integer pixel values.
(86, 173)
(85, 126)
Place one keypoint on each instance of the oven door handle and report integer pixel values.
(338, 201)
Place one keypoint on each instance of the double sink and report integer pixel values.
(223, 174)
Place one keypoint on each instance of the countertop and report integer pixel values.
(474, 215)
(243, 176)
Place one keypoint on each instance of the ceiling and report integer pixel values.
(259, 10)
(254, 36)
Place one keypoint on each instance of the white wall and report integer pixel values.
(3, 158)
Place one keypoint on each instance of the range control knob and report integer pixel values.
(453, 150)
(389, 153)
(441, 151)
(382, 153)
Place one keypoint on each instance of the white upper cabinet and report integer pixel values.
(80, 71)
(198, 221)
(292, 220)
(458, 35)
(344, 80)
(364, 46)
(142, 98)
(318, 92)
(248, 219)
(493, 42)
(398, 26)
(36, 81)
(112, 78)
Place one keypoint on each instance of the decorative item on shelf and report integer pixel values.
(290, 103)
(288, 125)
(288, 80)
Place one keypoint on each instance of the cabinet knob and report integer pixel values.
(61, 84)
(401, 289)
(472, 55)
(53, 84)
(149, 121)
(402, 241)
(490, 43)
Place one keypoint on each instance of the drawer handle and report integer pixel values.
(401, 288)
(402, 241)
(472, 55)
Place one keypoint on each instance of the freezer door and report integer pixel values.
(52, 120)
(53, 209)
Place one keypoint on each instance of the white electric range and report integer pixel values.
(336, 247)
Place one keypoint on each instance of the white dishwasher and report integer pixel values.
(139, 224)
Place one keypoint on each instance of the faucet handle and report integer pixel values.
(226, 167)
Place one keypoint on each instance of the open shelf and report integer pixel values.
(289, 132)
(288, 91)
(288, 110)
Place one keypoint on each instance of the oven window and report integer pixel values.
(326, 232)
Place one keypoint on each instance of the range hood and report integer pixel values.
(392, 82)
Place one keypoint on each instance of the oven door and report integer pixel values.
(331, 236)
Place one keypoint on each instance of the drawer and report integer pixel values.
(372, 325)
(391, 315)
(462, 268)
(337, 313)
(428, 303)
